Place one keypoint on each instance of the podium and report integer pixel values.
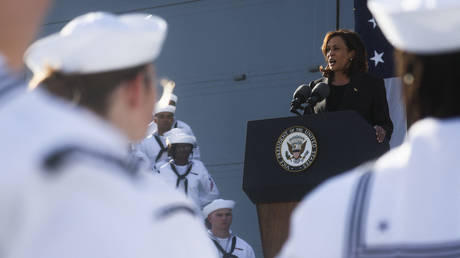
(286, 158)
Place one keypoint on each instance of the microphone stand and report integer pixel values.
(293, 110)
(302, 116)
(308, 110)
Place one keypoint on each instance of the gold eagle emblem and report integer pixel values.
(296, 148)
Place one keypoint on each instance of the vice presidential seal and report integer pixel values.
(296, 149)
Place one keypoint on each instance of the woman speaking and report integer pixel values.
(351, 86)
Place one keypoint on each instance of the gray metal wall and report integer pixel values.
(274, 42)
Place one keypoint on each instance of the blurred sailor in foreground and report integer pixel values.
(154, 145)
(406, 203)
(67, 190)
(219, 214)
(188, 175)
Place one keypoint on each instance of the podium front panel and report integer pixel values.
(344, 140)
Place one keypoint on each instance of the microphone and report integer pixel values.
(319, 92)
(299, 97)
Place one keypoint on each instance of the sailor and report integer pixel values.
(219, 215)
(153, 127)
(154, 145)
(67, 190)
(406, 203)
(188, 175)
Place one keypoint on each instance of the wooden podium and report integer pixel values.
(338, 141)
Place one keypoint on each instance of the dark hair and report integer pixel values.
(92, 91)
(430, 84)
(353, 42)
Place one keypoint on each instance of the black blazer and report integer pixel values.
(366, 95)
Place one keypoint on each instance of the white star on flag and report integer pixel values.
(374, 24)
(377, 58)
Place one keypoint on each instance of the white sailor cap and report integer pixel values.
(98, 42)
(172, 99)
(419, 26)
(177, 135)
(167, 107)
(217, 204)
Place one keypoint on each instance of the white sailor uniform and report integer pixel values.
(154, 148)
(196, 154)
(139, 159)
(193, 179)
(66, 190)
(403, 205)
(232, 245)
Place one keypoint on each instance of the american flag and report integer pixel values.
(379, 50)
(381, 64)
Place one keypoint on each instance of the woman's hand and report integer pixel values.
(380, 133)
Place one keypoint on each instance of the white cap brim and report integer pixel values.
(168, 108)
(99, 42)
(423, 27)
(216, 205)
(178, 135)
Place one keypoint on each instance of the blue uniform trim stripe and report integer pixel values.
(173, 210)
(356, 245)
(61, 156)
